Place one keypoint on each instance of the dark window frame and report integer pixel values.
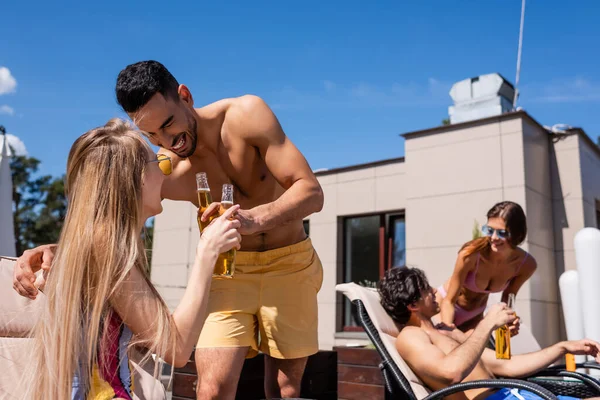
(386, 237)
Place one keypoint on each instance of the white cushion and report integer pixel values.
(17, 313)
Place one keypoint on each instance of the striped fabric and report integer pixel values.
(112, 378)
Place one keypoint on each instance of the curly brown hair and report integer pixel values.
(399, 288)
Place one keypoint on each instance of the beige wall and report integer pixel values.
(590, 178)
(362, 191)
(175, 238)
(538, 299)
(453, 178)
(567, 196)
(575, 170)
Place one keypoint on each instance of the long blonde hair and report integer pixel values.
(99, 245)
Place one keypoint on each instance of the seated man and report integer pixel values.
(442, 357)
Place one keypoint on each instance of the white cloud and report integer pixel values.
(8, 83)
(571, 90)
(7, 110)
(15, 143)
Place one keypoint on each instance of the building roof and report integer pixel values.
(451, 127)
(359, 166)
(593, 145)
(466, 124)
(497, 118)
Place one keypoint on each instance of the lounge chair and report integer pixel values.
(402, 383)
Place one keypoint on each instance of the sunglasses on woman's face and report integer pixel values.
(489, 231)
(164, 163)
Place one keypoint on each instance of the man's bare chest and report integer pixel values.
(252, 182)
(444, 341)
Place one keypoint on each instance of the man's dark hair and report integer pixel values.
(138, 82)
(399, 288)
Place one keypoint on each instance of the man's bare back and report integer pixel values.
(241, 142)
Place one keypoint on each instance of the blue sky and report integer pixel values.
(344, 78)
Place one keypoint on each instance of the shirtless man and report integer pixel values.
(441, 357)
(278, 273)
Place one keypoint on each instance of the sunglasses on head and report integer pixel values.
(489, 231)
(164, 163)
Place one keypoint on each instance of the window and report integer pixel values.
(372, 244)
(396, 241)
(598, 214)
(306, 226)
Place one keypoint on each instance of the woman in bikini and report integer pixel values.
(490, 264)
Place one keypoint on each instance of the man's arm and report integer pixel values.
(259, 127)
(523, 365)
(431, 364)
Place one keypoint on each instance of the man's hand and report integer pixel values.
(211, 212)
(514, 326)
(247, 218)
(445, 327)
(25, 281)
(583, 347)
(500, 315)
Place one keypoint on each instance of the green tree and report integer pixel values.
(147, 237)
(446, 121)
(476, 233)
(52, 210)
(39, 204)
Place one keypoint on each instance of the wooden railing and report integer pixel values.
(359, 376)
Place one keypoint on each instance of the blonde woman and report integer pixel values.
(99, 299)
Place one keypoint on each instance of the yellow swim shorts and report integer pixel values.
(273, 293)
